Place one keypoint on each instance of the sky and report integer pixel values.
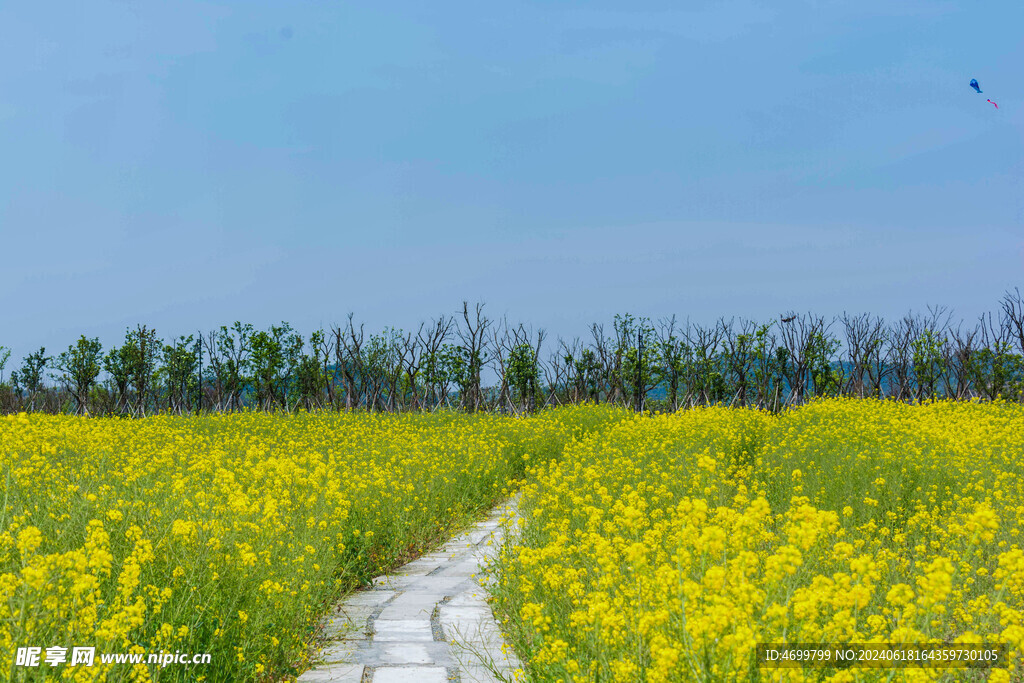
(185, 165)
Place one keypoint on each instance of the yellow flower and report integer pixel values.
(29, 540)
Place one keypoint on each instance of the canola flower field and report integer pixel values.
(665, 548)
(651, 548)
(231, 534)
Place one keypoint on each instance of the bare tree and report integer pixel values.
(673, 359)
(706, 383)
(928, 351)
(432, 342)
(557, 377)
(399, 348)
(900, 356)
(608, 365)
(863, 337)
(348, 357)
(412, 355)
(876, 354)
(797, 338)
(1013, 314)
(501, 348)
(739, 346)
(959, 354)
(473, 335)
(331, 371)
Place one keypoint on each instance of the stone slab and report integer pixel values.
(368, 598)
(481, 674)
(403, 630)
(410, 674)
(441, 585)
(333, 674)
(434, 653)
(340, 652)
(392, 583)
(475, 598)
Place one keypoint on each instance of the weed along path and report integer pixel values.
(428, 622)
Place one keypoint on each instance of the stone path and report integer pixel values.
(428, 622)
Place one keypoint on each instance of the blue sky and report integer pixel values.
(184, 165)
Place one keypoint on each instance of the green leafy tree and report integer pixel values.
(275, 355)
(311, 378)
(29, 379)
(5, 355)
(181, 361)
(585, 375)
(235, 343)
(826, 378)
(928, 362)
(141, 357)
(116, 364)
(79, 367)
(523, 376)
(432, 373)
(444, 369)
(640, 369)
(267, 361)
(996, 372)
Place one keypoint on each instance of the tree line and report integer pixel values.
(470, 362)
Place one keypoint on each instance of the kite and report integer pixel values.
(977, 88)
